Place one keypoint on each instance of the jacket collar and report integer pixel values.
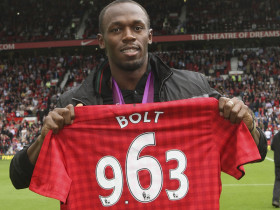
(159, 67)
(85, 93)
(89, 93)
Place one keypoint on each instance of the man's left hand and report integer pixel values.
(235, 111)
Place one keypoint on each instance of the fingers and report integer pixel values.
(52, 122)
(69, 116)
(233, 109)
(225, 106)
(57, 119)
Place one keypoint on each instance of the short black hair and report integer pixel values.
(101, 15)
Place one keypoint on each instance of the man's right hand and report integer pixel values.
(55, 121)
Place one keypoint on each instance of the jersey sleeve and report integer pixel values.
(50, 177)
(235, 145)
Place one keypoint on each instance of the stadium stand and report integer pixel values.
(41, 20)
(44, 20)
(30, 84)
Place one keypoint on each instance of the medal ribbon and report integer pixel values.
(148, 96)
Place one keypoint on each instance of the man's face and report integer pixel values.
(125, 36)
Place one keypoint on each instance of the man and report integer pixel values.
(125, 35)
(275, 146)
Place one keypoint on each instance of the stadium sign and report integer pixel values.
(170, 38)
(7, 46)
(236, 35)
(217, 36)
(6, 157)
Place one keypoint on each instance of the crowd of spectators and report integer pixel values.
(27, 90)
(40, 20)
(45, 20)
(227, 16)
(258, 87)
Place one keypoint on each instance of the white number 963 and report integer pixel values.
(134, 164)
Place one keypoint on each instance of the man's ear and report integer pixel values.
(150, 36)
(101, 41)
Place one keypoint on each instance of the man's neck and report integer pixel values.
(128, 80)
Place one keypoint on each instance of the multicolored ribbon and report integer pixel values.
(148, 96)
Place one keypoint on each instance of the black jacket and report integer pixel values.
(173, 84)
(275, 146)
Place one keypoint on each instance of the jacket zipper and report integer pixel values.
(162, 85)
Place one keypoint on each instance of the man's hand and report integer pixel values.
(56, 120)
(235, 111)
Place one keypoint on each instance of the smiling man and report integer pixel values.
(129, 75)
(125, 37)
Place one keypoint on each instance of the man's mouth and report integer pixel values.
(130, 50)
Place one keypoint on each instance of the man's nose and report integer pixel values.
(128, 35)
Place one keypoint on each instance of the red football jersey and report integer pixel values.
(143, 156)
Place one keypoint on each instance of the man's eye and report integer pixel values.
(138, 28)
(115, 30)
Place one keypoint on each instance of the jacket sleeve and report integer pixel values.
(262, 144)
(21, 170)
(275, 146)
